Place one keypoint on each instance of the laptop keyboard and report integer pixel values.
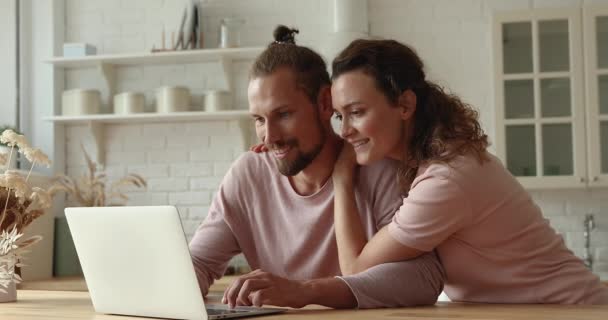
(215, 312)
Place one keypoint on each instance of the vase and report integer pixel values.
(65, 258)
(11, 293)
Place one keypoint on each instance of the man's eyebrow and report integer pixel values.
(279, 109)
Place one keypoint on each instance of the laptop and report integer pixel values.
(136, 262)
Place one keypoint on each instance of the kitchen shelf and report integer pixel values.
(106, 64)
(97, 122)
(147, 58)
(152, 117)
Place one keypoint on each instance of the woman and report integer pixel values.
(492, 239)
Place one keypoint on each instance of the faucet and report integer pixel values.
(589, 226)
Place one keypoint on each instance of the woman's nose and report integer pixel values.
(345, 129)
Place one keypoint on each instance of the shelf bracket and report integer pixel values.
(247, 133)
(109, 75)
(97, 132)
(226, 66)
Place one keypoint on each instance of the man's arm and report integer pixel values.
(214, 242)
(211, 249)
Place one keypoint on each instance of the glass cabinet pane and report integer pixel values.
(517, 47)
(555, 97)
(603, 92)
(519, 99)
(604, 145)
(602, 41)
(553, 45)
(558, 155)
(521, 146)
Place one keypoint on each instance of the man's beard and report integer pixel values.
(292, 167)
(302, 160)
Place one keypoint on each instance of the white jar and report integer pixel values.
(230, 32)
(129, 102)
(217, 100)
(77, 102)
(172, 99)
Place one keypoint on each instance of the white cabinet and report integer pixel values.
(596, 85)
(548, 125)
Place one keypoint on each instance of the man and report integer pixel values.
(277, 207)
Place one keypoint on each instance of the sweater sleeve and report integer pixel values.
(399, 284)
(214, 242)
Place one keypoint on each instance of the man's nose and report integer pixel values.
(272, 134)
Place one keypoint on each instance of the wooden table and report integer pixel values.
(51, 304)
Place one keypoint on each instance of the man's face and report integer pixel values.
(285, 120)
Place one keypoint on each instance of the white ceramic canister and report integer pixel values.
(129, 102)
(217, 100)
(172, 99)
(230, 32)
(77, 102)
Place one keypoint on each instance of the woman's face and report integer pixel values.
(370, 122)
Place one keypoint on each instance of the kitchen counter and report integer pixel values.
(49, 305)
(55, 304)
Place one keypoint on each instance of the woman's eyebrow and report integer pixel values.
(350, 105)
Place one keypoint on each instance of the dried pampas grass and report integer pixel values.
(92, 190)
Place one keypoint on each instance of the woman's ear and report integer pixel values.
(407, 103)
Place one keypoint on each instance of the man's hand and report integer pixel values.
(259, 288)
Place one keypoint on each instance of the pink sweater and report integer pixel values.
(491, 238)
(257, 212)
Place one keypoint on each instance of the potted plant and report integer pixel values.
(20, 205)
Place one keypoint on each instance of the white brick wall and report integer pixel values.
(181, 174)
(185, 161)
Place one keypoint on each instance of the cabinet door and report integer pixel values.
(596, 72)
(539, 97)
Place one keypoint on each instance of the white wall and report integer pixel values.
(7, 63)
(184, 162)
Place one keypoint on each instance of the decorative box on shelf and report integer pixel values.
(71, 50)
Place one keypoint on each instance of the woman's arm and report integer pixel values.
(355, 253)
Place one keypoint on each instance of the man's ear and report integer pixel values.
(407, 103)
(324, 103)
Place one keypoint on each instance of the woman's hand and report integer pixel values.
(344, 168)
(259, 148)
